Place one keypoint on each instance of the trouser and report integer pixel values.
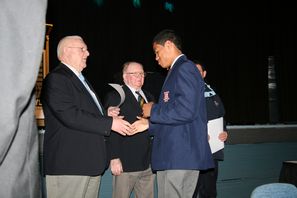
(207, 183)
(72, 186)
(177, 183)
(142, 182)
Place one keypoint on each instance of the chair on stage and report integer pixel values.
(288, 173)
(275, 190)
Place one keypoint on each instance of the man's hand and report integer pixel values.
(140, 125)
(116, 166)
(122, 126)
(113, 111)
(146, 108)
(223, 136)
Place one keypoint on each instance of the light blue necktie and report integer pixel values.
(82, 79)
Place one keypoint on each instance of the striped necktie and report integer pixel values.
(140, 99)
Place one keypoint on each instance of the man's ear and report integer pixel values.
(124, 76)
(168, 43)
(204, 74)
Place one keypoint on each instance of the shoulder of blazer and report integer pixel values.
(127, 91)
(181, 60)
(63, 70)
(183, 63)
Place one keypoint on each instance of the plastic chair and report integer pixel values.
(275, 190)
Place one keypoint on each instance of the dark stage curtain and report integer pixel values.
(233, 40)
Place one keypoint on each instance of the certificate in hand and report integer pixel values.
(215, 127)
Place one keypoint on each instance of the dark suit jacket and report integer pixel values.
(178, 121)
(133, 151)
(74, 142)
(215, 109)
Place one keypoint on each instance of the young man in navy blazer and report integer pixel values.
(178, 121)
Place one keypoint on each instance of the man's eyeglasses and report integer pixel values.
(137, 74)
(81, 48)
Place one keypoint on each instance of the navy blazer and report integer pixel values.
(74, 142)
(178, 121)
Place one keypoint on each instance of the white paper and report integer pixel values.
(215, 127)
(120, 90)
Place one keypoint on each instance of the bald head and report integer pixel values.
(66, 41)
(73, 51)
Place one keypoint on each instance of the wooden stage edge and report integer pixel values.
(253, 134)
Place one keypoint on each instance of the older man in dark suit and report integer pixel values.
(131, 155)
(22, 28)
(75, 126)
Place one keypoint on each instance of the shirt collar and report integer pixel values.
(72, 69)
(175, 60)
(133, 90)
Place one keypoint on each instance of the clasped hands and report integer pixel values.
(122, 126)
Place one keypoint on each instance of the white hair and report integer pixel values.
(62, 43)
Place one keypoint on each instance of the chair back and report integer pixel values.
(275, 190)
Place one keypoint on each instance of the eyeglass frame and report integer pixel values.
(83, 49)
(137, 74)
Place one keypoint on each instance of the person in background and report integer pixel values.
(207, 182)
(22, 33)
(76, 126)
(131, 155)
(177, 122)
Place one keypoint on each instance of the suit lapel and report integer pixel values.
(130, 95)
(178, 62)
(74, 78)
(76, 81)
(103, 110)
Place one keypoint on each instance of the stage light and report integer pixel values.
(168, 6)
(136, 3)
(99, 2)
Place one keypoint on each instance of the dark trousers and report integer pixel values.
(207, 183)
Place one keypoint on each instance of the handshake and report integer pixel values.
(123, 127)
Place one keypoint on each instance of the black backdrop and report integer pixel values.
(233, 40)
